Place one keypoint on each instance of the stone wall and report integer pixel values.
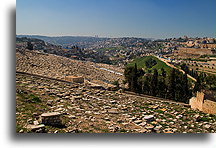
(199, 51)
(207, 45)
(199, 103)
(209, 107)
(75, 79)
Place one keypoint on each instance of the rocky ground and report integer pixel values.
(88, 110)
(58, 67)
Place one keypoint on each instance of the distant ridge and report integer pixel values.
(64, 40)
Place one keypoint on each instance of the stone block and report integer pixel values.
(36, 128)
(75, 79)
(52, 118)
(149, 118)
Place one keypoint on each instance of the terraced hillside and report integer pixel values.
(58, 67)
(85, 109)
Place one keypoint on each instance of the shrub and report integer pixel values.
(150, 63)
(116, 83)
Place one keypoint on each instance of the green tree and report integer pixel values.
(198, 85)
(154, 83)
(179, 85)
(150, 63)
(163, 72)
(131, 76)
(146, 85)
(162, 87)
(171, 84)
(186, 91)
(29, 46)
(128, 75)
(134, 84)
(185, 68)
(116, 83)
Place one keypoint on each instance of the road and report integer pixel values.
(118, 73)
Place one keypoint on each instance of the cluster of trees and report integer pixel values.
(150, 63)
(204, 81)
(191, 72)
(173, 86)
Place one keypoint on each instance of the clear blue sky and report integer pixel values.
(117, 18)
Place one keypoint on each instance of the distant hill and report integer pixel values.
(64, 40)
(25, 39)
(68, 40)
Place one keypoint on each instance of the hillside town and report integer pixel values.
(79, 88)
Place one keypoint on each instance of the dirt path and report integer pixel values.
(170, 65)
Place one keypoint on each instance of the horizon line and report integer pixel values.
(97, 36)
(86, 36)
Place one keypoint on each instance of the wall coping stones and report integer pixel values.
(50, 114)
(34, 128)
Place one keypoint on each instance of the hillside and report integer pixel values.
(64, 40)
(87, 110)
(58, 67)
(90, 110)
(141, 63)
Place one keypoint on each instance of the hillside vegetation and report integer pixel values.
(146, 63)
(150, 76)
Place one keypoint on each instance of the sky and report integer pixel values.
(116, 18)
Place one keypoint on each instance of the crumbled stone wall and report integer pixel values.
(206, 106)
(209, 107)
(197, 102)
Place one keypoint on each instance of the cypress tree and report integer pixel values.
(128, 76)
(178, 86)
(172, 84)
(185, 88)
(198, 85)
(163, 72)
(29, 46)
(154, 83)
(162, 88)
(134, 79)
(146, 85)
